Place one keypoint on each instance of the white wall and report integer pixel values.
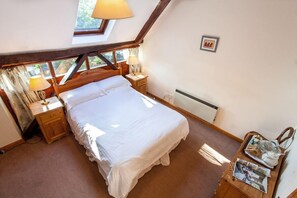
(9, 131)
(253, 75)
(35, 25)
(287, 181)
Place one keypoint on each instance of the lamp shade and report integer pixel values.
(112, 9)
(38, 83)
(132, 60)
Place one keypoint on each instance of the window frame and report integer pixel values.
(42, 72)
(52, 69)
(100, 30)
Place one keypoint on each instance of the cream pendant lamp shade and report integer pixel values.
(112, 9)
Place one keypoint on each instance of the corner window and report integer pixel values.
(85, 24)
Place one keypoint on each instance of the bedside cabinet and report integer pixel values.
(50, 118)
(138, 81)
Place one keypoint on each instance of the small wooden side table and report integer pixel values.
(230, 187)
(138, 81)
(50, 118)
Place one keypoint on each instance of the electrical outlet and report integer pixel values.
(170, 96)
(166, 96)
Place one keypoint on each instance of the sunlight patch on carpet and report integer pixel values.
(212, 155)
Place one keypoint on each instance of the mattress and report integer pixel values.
(126, 133)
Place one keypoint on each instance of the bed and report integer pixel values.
(125, 132)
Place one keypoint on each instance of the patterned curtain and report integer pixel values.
(15, 83)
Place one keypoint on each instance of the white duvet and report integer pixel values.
(126, 133)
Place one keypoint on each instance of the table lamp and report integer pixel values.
(38, 83)
(132, 60)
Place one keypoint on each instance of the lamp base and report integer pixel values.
(42, 96)
(44, 102)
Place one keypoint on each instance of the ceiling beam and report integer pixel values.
(152, 19)
(44, 56)
(74, 68)
(110, 64)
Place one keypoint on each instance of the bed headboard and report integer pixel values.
(85, 78)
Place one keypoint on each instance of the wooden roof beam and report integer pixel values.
(152, 19)
(45, 56)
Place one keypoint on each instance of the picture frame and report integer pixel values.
(209, 43)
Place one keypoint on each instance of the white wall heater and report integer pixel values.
(195, 106)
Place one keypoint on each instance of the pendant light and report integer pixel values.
(112, 9)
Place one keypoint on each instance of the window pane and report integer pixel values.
(84, 21)
(62, 66)
(83, 67)
(95, 62)
(38, 69)
(122, 55)
(109, 56)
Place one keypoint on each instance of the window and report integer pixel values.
(38, 69)
(108, 56)
(85, 24)
(96, 62)
(83, 67)
(122, 55)
(62, 66)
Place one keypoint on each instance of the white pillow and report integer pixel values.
(113, 82)
(82, 94)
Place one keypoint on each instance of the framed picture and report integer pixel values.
(209, 43)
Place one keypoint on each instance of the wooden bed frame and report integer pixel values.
(85, 78)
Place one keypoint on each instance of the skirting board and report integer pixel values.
(12, 145)
(195, 117)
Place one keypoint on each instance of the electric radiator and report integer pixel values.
(195, 106)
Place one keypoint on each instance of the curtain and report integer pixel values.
(134, 52)
(15, 83)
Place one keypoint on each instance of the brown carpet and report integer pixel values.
(62, 169)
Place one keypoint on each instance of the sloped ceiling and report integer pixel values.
(35, 25)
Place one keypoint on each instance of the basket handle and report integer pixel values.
(290, 134)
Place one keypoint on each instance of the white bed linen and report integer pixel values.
(126, 133)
